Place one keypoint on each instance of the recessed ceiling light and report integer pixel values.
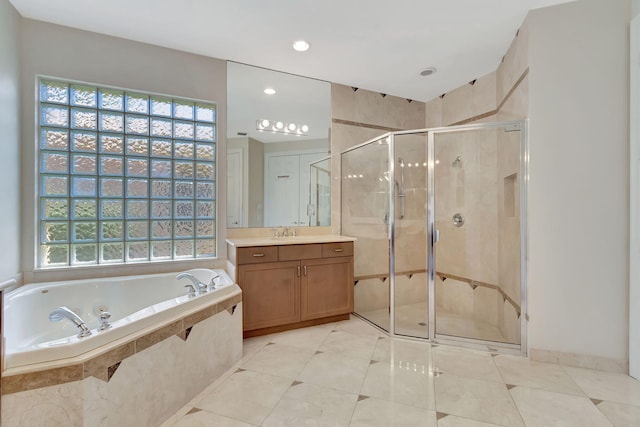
(428, 71)
(301, 45)
(270, 91)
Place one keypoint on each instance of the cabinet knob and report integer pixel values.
(258, 255)
(338, 250)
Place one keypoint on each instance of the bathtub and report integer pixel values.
(134, 302)
(163, 348)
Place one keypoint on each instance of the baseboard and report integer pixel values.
(580, 360)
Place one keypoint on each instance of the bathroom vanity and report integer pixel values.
(292, 282)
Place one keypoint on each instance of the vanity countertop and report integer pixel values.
(294, 240)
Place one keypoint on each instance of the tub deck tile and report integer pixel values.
(159, 335)
(228, 304)
(33, 380)
(99, 366)
(201, 315)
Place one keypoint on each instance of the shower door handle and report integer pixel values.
(436, 236)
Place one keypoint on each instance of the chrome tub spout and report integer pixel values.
(66, 313)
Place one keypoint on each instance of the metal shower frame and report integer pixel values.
(522, 127)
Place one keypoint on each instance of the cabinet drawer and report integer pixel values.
(330, 250)
(257, 254)
(297, 252)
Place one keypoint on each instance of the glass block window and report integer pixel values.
(123, 176)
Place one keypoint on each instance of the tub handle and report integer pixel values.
(258, 255)
(104, 321)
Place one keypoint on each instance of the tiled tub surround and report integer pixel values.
(138, 379)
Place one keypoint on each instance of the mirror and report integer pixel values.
(278, 171)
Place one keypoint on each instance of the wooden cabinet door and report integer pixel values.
(270, 294)
(327, 287)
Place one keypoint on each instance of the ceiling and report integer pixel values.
(378, 45)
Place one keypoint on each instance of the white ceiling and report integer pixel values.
(378, 45)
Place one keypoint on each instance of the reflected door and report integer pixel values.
(477, 282)
(282, 194)
(234, 189)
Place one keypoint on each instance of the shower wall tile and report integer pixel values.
(343, 103)
(369, 108)
(516, 61)
(371, 255)
(457, 105)
(365, 109)
(372, 108)
(511, 326)
(483, 95)
(343, 137)
(454, 298)
(516, 106)
(485, 305)
(433, 113)
(467, 101)
(408, 115)
(411, 245)
(411, 290)
(370, 295)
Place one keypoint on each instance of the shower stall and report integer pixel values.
(439, 215)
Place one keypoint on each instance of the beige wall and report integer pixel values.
(67, 53)
(579, 179)
(10, 23)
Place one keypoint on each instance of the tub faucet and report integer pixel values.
(212, 283)
(197, 287)
(65, 313)
(103, 319)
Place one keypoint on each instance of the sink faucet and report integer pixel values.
(66, 313)
(286, 231)
(197, 287)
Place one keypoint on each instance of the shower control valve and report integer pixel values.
(457, 220)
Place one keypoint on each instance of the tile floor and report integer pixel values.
(349, 374)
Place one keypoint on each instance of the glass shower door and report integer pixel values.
(476, 212)
(410, 291)
(366, 216)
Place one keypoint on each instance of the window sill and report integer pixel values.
(114, 270)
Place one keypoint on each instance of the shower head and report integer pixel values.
(457, 162)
